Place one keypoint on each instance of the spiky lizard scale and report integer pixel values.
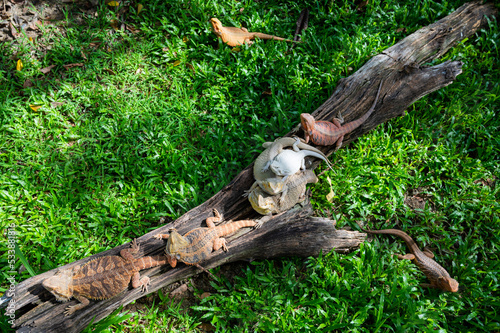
(264, 203)
(101, 278)
(108, 276)
(196, 245)
(201, 241)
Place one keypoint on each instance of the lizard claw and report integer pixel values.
(134, 245)
(263, 220)
(145, 281)
(69, 310)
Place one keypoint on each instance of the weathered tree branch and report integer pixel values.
(294, 232)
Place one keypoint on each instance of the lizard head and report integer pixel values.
(286, 163)
(60, 285)
(272, 185)
(448, 284)
(175, 243)
(261, 205)
(216, 25)
(307, 121)
(172, 259)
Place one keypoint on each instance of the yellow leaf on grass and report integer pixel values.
(139, 8)
(235, 49)
(113, 3)
(19, 65)
(177, 63)
(185, 39)
(330, 195)
(30, 39)
(35, 107)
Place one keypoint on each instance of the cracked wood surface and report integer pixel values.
(294, 233)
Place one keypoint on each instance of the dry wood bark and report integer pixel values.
(294, 232)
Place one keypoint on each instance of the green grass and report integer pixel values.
(141, 136)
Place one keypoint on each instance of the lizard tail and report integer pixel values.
(346, 128)
(394, 232)
(266, 36)
(229, 228)
(312, 153)
(150, 261)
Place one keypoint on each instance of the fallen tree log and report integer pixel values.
(294, 232)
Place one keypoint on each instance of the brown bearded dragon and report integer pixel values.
(266, 204)
(325, 133)
(101, 278)
(197, 245)
(436, 274)
(233, 36)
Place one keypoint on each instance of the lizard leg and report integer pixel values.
(303, 164)
(263, 220)
(204, 269)
(72, 308)
(339, 118)
(220, 242)
(247, 192)
(408, 256)
(302, 197)
(283, 195)
(171, 260)
(164, 236)
(339, 143)
(337, 122)
(306, 137)
(143, 282)
(127, 254)
(244, 29)
(428, 253)
(295, 144)
(161, 236)
(211, 220)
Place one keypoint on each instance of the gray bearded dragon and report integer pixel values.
(267, 204)
(267, 179)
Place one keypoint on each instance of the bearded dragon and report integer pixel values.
(266, 204)
(101, 278)
(267, 179)
(289, 162)
(325, 133)
(197, 245)
(233, 36)
(436, 274)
